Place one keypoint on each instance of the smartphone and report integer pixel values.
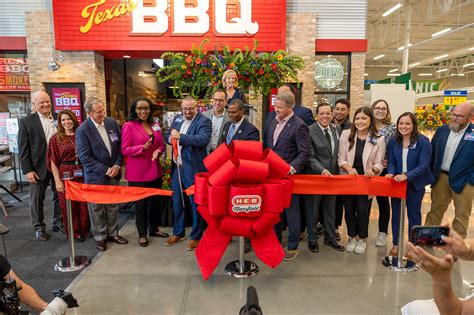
(428, 235)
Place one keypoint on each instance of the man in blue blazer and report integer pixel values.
(193, 132)
(238, 127)
(99, 148)
(452, 164)
(288, 136)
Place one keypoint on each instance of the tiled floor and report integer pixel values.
(166, 280)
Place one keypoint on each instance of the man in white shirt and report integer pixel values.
(452, 164)
(33, 137)
(218, 115)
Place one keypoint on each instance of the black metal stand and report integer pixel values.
(399, 263)
(241, 268)
(73, 263)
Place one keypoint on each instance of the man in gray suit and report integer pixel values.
(34, 134)
(218, 116)
(323, 161)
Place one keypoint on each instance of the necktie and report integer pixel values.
(230, 134)
(328, 137)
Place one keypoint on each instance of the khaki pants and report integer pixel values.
(441, 196)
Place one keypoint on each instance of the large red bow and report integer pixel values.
(243, 194)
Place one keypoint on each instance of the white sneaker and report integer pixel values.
(360, 247)
(381, 239)
(352, 245)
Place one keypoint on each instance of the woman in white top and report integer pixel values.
(361, 151)
(409, 154)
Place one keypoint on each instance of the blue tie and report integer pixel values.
(230, 134)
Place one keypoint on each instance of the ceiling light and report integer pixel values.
(441, 57)
(468, 64)
(393, 74)
(392, 9)
(393, 70)
(366, 74)
(414, 64)
(472, 48)
(460, 74)
(442, 70)
(425, 74)
(126, 56)
(441, 32)
(379, 56)
(403, 47)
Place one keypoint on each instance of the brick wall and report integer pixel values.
(357, 81)
(78, 66)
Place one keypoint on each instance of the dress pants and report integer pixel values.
(413, 204)
(293, 219)
(357, 215)
(384, 212)
(441, 196)
(178, 208)
(339, 211)
(315, 206)
(104, 218)
(147, 210)
(37, 195)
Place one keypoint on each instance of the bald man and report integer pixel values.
(452, 164)
(33, 137)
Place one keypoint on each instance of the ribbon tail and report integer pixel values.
(268, 249)
(210, 250)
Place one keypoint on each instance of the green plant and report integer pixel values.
(166, 167)
(199, 73)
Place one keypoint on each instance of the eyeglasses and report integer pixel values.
(219, 100)
(458, 116)
(143, 109)
(190, 109)
(380, 109)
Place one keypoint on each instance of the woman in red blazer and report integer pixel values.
(142, 144)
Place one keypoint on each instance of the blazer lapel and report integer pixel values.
(462, 142)
(367, 150)
(335, 136)
(96, 134)
(285, 130)
(39, 126)
(321, 135)
(271, 131)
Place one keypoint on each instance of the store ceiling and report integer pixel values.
(387, 34)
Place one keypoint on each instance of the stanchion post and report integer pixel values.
(241, 254)
(241, 268)
(73, 263)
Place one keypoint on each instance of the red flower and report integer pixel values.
(188, 72)
(189, 60)
(261, 71)
(198, 61)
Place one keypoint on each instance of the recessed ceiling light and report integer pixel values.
(441, 32)
(472, 48)
(441, 57)
(379, 56)
(414, 64)
(393, 70)
(393, 74)
(468, 64)
(126, 56)
(392, 9)
(425, 74)
(442, 70)
(460, 74)
(366, 74)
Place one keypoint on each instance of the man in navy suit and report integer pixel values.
(99, 148)
(452, 164)
(288, 136)
(238, 127)
(192, 131)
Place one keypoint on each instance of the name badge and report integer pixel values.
(469, 136)
(113, 136)
(78, 173)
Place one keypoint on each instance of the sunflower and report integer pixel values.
(430, 122)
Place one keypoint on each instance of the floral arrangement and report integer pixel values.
(166, 167)
(431, 117)
(200, 72)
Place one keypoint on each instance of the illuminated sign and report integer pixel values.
(168, 25)
(329, 73)
(14, 74)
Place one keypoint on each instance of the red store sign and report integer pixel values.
(14, 74)
(168, 25)
(67, 98)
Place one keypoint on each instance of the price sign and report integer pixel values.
(453, 98)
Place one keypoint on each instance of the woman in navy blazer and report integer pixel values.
(142, 144)
(409, 154)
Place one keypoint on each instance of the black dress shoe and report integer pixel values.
(59, 229)
(117, 239)
(334, 245)
(313, 247)
(102, 245)
(79, 239)
(41, 236)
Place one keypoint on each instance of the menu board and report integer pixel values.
(67, 98)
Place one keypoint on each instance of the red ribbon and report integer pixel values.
(243, 194)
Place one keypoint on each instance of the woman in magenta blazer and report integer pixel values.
(361, 151)
(142, 144)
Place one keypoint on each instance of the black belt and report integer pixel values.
(445, 172)
(70, 163)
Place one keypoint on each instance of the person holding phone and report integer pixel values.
(409, 154)
(445, 301)
(361, 151)
(143, 145)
